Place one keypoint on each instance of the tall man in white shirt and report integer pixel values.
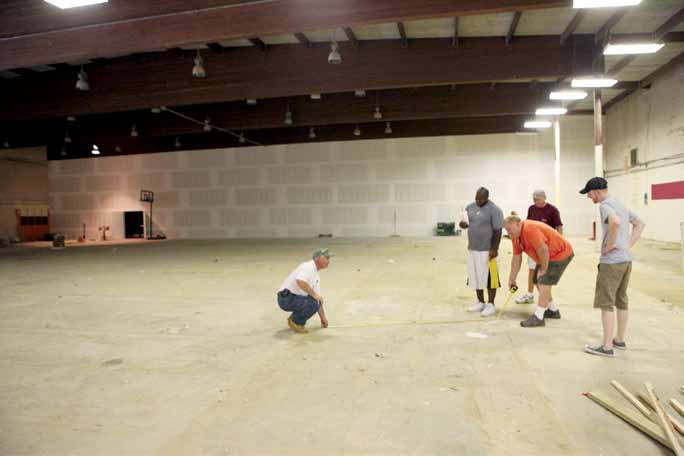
(300, 292)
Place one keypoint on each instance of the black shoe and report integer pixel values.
(548, 313)
(532, 322)
(599, 351)
(619, 345)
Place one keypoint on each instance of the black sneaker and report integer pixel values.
(599, 351)
(619, 345)
(532, 322)
(548, 313)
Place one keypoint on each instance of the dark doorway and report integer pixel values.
(134, 224)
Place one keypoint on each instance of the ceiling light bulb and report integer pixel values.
(359, 93)
(156, 110)
(388, 128)
(596, 82)
(177, 143)
(251, 101)
(95, 150)
(6, 143)
(315, 96)
(603, 3)
(242, 139)
(117, 149)
(63, 152)
(288, 118)
(377, 115)
(537, 124)
(334, 58)
(67, 138)
(634, 48)
(207, 124)
(134, 132)
(65, 4)
(357, 131)
(82, 82)
(71, 118)
(568, 95)
(551, 111)
(198, 70)
(312, 133)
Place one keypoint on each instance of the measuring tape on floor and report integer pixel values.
(378, 324)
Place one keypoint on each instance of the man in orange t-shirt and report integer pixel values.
(552, 253)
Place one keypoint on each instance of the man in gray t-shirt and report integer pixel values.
(484, 223)
(615, 265)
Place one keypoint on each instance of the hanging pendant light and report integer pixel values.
(134, 132)
(388, 128)
(312, 133)
(82, 81)
(198, 70)
(357, 131)
(207, 124)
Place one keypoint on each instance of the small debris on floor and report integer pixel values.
(113, 362)
(390, 260)
(378, 355)
(476, 335)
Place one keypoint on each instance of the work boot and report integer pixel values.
(555, 314)
(532, 322)
(295, 327)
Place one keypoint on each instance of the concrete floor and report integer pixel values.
(178, 348)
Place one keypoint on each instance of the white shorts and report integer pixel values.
(531, 264)
(480, 274)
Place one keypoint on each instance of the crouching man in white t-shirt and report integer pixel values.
(300, 293)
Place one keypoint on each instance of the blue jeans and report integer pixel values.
(302, 307)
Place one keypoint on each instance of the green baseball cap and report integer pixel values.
(322, 252)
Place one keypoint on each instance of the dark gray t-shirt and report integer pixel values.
(482, 221)
(620, 254)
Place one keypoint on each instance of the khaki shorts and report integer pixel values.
(554, 273)
(611, 286)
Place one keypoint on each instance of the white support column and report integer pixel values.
(598, 157)
(556, 168)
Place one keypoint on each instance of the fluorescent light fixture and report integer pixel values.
(66, 4)
(537, 124)
(251, 101)
(155, 110)
(95, 150)
(315, 96)
(551, 111)
(603, 3)
(594, 83)
(568, 95)
(633, 48)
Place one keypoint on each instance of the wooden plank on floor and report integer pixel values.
(647, 427)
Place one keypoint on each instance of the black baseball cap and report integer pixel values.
(595, 183)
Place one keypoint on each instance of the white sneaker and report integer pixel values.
(477, 307)
(488, 310)
(527, 298)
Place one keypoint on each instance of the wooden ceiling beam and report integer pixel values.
(124, 84)
(514, 25)
(572, 26)
(351, 37)
(92, 36)
(402, 34)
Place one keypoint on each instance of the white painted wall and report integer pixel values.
(349, 189)
(23, 186)
(652, 121)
